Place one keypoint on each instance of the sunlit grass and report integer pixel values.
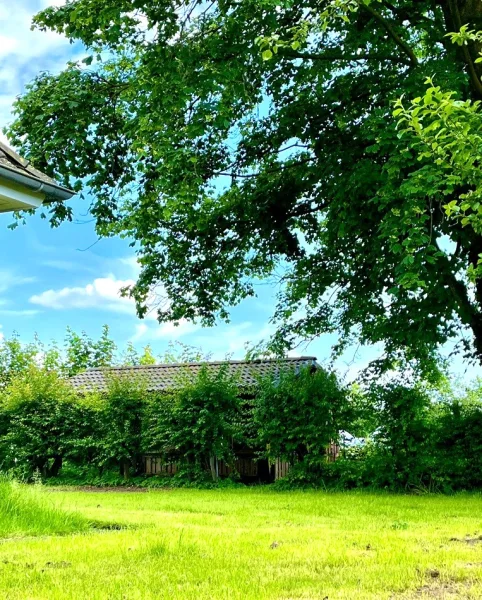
(254, 544)
(26, 510)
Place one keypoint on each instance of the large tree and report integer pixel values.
(235, 139)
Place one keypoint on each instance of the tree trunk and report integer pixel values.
(56, 466)
(125, 469)
(213, 466)
(457, 14)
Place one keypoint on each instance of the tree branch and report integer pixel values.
(267, 171)
(302, 210)
(391, 31)
(405, 13)
(336, 55)
(468, 313)
(476, 83)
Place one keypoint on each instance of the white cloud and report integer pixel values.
(9, 279)
(160, 331)
(8, 44)
(141, 331)
(102, 293)
(18, 313)
(19, 43)
(61, 265)
(24, 52)
(132, 265)
(47, 3)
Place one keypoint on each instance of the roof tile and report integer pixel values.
(165, 377)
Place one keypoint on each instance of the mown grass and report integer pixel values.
(254, 544)
(26, 510)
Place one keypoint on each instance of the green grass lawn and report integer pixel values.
(249, 544)
(28, 511)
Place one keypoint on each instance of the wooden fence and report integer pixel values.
(332, 452)
(246, 466)
(281, 469)
(154, 465)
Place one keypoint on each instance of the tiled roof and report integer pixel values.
(12, 161)
(167, 376)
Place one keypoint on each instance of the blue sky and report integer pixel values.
(54, 278)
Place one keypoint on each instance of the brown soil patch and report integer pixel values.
(438, 590)
(62, 564)
(107, 488)
(471, 541)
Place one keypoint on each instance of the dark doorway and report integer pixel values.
(265, 471)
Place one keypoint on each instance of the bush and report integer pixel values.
(298, 415)
(122, 416)
(458, 440)
(402, 452)
(40, 420)
(197, 424)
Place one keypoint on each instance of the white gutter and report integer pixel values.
(49, 189)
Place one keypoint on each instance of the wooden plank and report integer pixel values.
(281, 469)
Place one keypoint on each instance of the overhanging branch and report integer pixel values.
(337, 55)
(391, 31)
(474, 78)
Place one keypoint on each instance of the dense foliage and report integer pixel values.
(41, 419)
(298, 415)
(408, 434)
(411, 436)
(422, 441)
(201, 424)
(233, 138)
(122, 417)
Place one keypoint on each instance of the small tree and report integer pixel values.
(203, 422)
(40, 417)
(178, 352)
(297, 415)
(15, 358)
(82, 352)
(403, 436)
(123, 416)
(132, 358)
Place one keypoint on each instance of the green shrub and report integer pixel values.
(122, 416)
(457, 433)
(200, 422)
(402, 454)
(40, 419)
(297, 415)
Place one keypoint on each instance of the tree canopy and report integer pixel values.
(336, 142)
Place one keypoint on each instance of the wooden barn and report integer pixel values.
(166, 377)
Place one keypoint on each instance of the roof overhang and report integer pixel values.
(22, 187)
(14, 196)
(33, 185)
